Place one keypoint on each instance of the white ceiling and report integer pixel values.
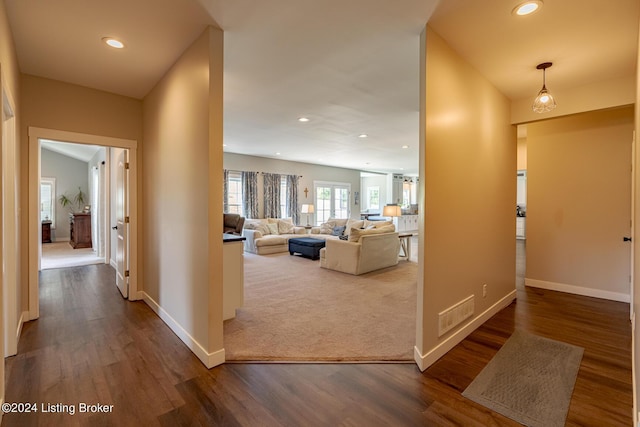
(83, 152)
(352, 66)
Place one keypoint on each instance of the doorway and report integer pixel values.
(36, 135)
(332, 200)
(73, 198)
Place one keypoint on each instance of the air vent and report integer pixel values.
(453, 316)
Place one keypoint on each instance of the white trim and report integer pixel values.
(113, 264)
(426, 360)
(577, 290)
(10, 222)
(210, 360)
(633, 368)
(23, 318)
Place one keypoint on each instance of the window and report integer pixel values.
(332, 201)
(234, 193)
(373, 197)
(48, 200)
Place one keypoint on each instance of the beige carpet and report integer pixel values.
(61, 255)
(296, 311)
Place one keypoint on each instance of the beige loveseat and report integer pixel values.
(365, 251)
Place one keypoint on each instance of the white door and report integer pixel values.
(332, 201)
(122, 225)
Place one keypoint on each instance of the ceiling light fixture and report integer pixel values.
(114, 43)
(303, 119)
(527, 7)
(405, 146)
(544, 102)
(363, 135)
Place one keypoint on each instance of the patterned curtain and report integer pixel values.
(250, 194)
(271, 182)
(225, 191)
(292, 198)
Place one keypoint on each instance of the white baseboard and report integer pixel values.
(208, 359)
(113, 264)
(577, 290)
(426, 360)
(636, 421)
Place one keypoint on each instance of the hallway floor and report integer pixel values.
(92, 347)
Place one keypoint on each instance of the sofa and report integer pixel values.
(271, 235)
(364, 251)
(232, 224)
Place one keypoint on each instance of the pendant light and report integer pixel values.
(544, 102)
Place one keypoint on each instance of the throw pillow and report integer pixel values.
(273, 228)
(353, 223)
(337, 231)
(285, 226)
(263, 229)
(343, 237)
(357, 233)
(327, 227)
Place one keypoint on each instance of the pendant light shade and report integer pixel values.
(544, 102)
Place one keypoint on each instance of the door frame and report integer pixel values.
(333, 185)
(12, 317)
(35, 245)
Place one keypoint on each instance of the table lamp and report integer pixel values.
(308, 209)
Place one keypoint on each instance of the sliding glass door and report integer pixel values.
(332, 200)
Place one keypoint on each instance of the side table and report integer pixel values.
(405, 245)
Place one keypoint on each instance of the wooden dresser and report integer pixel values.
(80, 230)
(46, 231)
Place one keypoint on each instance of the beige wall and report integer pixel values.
(182, 198)
(8, 59)
(578, 210)
(522, 154)
(53, 104)
(468, 172)
(611, 93)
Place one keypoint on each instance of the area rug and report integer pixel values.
(62, 255)
(529, 380)
(296, 311)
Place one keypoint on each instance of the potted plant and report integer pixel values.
(78, 201)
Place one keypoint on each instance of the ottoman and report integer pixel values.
(306, 246)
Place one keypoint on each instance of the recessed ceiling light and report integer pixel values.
(363, 135)
(527, 7)
(115, 43)
(303, 119)
(224, 145)
(405, 146)
(277, 154)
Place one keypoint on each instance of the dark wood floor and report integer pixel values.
(91, 346)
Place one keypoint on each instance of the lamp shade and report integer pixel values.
(307, 209)
(392, 210)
